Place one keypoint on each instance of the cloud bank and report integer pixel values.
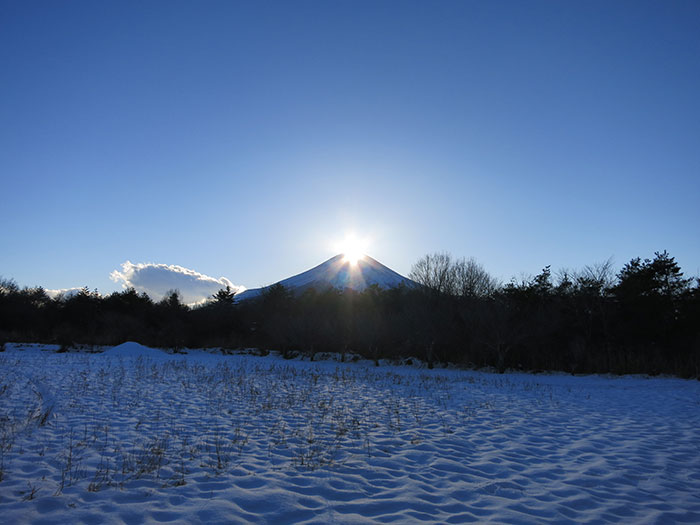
(158, 279)
(63, 292)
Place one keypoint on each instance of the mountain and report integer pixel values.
(338, 272)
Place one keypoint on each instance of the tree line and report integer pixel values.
(643, 319)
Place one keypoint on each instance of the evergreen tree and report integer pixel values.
(224, 297)
(658, 277)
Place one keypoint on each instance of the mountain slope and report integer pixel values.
(338, 272)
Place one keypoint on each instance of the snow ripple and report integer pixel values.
(241, 439)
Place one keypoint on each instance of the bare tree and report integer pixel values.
(471, 279)
(599, 276)
(8, 286)
(434, 271)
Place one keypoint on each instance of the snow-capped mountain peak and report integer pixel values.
(341, 272)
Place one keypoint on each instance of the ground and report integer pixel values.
(134, 435)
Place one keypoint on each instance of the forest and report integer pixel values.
(643, 319)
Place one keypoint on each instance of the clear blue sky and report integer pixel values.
(244, 139)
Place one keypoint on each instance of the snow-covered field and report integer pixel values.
(134, 435)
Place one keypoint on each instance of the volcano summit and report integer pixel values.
(342, 273)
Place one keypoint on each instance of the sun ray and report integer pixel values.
(353, 249)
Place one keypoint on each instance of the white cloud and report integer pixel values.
(64, 292)
(158, 279)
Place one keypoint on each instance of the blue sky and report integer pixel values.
(244, 140)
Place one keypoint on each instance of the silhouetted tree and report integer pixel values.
(472, 280)
(435, 272)
(224, 297)
(649, 293)
(172, 321)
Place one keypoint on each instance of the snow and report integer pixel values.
(126, 436)
(338, 273)
(134, 350)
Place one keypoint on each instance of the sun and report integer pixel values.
(352, 257)
(353, 249)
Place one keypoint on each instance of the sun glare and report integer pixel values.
(352, 257)
(353, 249)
